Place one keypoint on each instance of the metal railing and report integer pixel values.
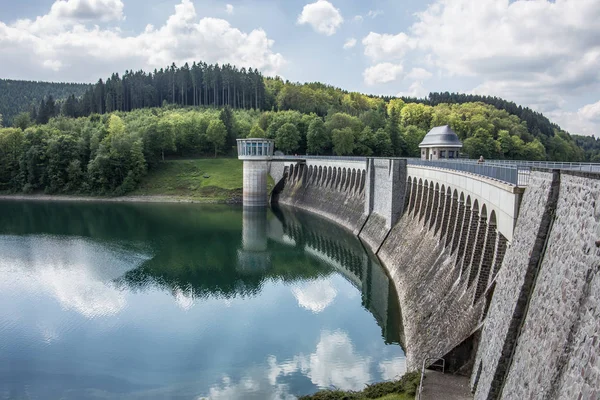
(513, 175)
(435, 359)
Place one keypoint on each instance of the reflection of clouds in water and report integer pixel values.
(316, 295)
(334, 363)
(184, 298)
(75, 271)
(249, 387)
(392, 369)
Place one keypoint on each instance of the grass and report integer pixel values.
(205, 180)
(404, 388)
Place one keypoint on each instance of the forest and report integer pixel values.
(103, 140)
(24, 96)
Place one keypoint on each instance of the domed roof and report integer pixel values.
(441, 136)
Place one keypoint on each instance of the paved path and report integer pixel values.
(438, 386)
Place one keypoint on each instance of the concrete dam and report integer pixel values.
(498, 278)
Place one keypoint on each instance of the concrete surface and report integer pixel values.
(438, 386)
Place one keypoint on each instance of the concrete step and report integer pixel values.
(438, 386)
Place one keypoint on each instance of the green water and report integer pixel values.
(157, 301)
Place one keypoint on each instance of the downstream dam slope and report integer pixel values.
(503, 284)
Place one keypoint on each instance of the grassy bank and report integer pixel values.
(207, 180)
(404, 388)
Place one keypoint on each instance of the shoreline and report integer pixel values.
(119, 199)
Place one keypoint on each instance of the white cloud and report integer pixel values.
(37, 49)
(229, 9)
(536, 53)
(350, 43)
(374, 13)
(315, 296)
(88, 10)
(357, 18)
(322, 16)
(585, 121)
(54, 65)
(419, 74)
(416, 89)
(382, 73)
(590, 112)
(384, 46)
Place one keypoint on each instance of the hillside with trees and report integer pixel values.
(25, 96)
(105, 140)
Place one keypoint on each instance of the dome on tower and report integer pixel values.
(441, 136)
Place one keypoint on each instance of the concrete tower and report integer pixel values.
(256, 153)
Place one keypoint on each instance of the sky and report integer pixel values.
(541, 54)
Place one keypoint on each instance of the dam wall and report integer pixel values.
(336, 192)
(502, 284)
(541, 338)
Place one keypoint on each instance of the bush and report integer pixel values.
(407, 384)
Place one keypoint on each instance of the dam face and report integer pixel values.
(499, 280)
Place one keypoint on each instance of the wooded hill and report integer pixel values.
(105, 139)
(25, 96)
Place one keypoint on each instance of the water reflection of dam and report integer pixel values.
(329, 244)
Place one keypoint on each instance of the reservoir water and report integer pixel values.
(182, 301)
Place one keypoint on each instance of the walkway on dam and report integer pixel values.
(439, 386)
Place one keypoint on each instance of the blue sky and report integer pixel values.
(542, 54)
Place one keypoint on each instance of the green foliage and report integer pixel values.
(393, 130)
(382, 144)
(22, 121)
(343, 120)
(481, 144)
(256, 132)
(216, 134)
(343, 141)
(226, 116)
(413, 135)
(22, 96)
(318, 140)
(416, 114)
(407, 386)
(365, 142)
(590, 146)
(287, 138)
(11, 151)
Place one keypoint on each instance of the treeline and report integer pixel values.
(106, 154)
(110, 153)
(537, 123)
(590, 145)
(23, 96)
(199, 85)
(202, 84)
